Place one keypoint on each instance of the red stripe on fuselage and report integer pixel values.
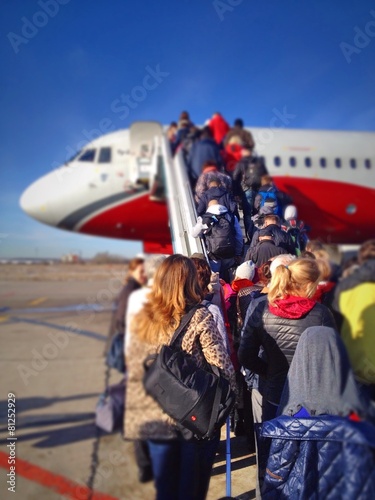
(139, 219)
(326, 207)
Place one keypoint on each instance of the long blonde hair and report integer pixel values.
(175, 290)
(300, 278)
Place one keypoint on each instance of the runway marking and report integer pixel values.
(78, 331)
(3, 318)
(35, 302)
(96, 308)
(55, 482)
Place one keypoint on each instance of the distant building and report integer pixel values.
(71, 258)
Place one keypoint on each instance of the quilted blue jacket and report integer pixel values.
(323, 457)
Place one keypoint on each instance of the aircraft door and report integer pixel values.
(142, 143)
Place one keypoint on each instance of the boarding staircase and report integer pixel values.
(168, 181)
(180, 201)
(153, 165)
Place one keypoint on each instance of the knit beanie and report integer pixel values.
(246, 270)
(290, 212)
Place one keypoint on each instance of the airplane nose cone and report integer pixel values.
(33, 202)
(39, 201)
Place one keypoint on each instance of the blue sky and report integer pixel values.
(243, 58)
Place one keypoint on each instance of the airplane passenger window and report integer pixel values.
(353, 163)
(277, 161)
(323, 162)
(337, 162)
(87, 155)
(292, 161)
(367, 163)
(308, 161)
(105, 155)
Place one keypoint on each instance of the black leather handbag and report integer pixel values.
(199, 399)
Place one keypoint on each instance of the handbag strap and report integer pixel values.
(184, 322)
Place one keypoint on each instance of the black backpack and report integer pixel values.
(199, 399)
(297, 232)
(220, 237)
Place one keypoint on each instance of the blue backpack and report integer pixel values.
(268, 198)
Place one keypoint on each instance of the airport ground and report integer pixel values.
(52, 359)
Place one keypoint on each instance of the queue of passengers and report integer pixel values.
(286, 334)
(291, 331)
(222, 165)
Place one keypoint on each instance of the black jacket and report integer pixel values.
(278, 337)
(222, 196)
(281, 238)
(247, 174)
(263, 252)
(122, 303)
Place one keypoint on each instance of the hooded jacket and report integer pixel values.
(221, 195)
(277, 329)
(355, 302)
(208, 174)
(320, 378)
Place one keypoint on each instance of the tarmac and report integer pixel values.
(53, 337)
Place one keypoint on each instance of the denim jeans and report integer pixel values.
(222, 267)
(182, 469)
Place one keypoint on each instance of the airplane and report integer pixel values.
(107, 188)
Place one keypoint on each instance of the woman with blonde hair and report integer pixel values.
(276, 326)
(181, 468)
(271, 333)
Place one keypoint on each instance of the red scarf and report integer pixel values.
(292, 307)
(238, 284)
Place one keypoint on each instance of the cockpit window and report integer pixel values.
(105, 155)
(87, 155)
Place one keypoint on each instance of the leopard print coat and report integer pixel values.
(143, 418)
